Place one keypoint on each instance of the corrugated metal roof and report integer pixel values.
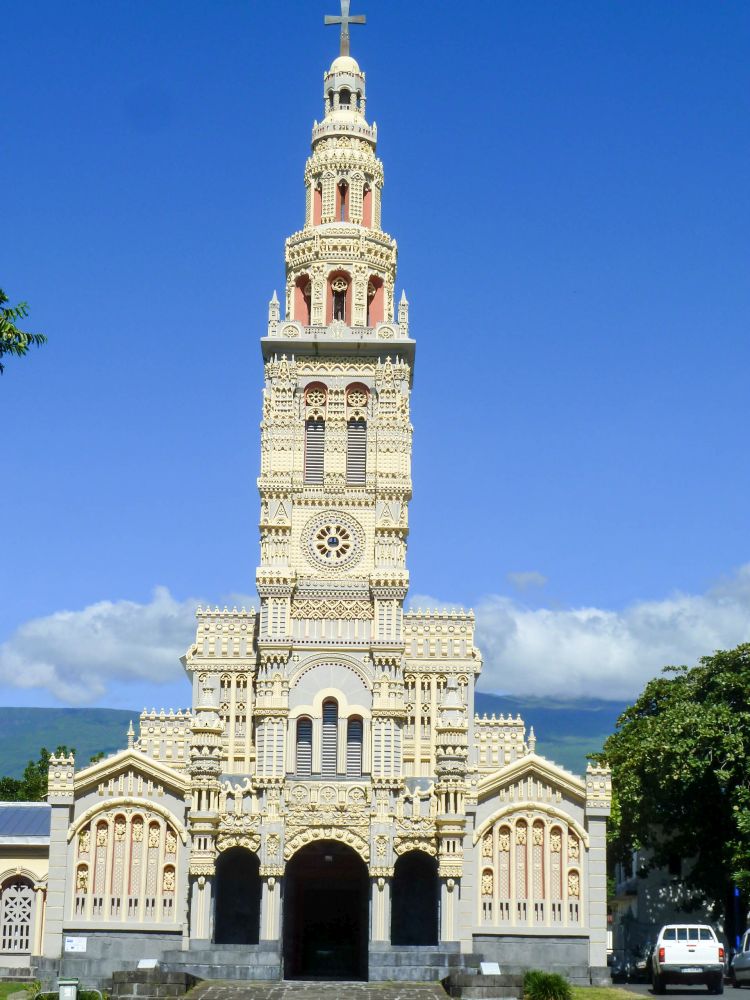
(24, 820)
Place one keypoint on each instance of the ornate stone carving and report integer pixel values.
(332, 610)
(353, 838)
(574, 884)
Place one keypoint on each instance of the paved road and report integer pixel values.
(688, 992)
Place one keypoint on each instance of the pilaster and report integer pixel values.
(60, 796)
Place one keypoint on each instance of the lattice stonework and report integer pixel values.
(126, 868)
(535, 863)
(16, 911)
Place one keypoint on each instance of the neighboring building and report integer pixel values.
(24, 850)
(331, 794)
(646, 898)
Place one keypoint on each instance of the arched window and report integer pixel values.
(354, 748)
(302, 299)
(304, 748)
(330, 741)
(317, 204)
(367, 206)
(375, 301)
(356, 452)
(345, 98)
(314, 451)
(338, 305)
(342, 202)
(16, 906)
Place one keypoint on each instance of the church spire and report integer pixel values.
(341, 266)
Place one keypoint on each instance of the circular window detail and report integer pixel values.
(315, 396)
(333, 540)
(357, 398)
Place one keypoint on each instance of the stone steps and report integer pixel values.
(246, 962)
(418, 963)
(480, 987)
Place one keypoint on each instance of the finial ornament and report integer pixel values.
(345, 20)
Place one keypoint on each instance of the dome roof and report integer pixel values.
(344, 64)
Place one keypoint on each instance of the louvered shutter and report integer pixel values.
(356, 452)
(314, 450)
(304, 748)
(329, 755)
(354, 748)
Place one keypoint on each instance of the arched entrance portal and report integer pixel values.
(237, 913)
(326, 913)
(415, 900)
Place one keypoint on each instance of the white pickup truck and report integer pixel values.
(688, 953)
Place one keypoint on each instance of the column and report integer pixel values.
(36, 942)
(449, 891)
(380, 909)
(270, 909)
(201, 901)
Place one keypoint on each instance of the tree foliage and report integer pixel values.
(680, 761)
(32, 787)
(13, 341)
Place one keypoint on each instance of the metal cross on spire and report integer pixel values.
(345, 20)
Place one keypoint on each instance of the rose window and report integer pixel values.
(333, 542)
(315, 397)
(357, 398)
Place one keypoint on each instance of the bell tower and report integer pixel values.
(335, 479)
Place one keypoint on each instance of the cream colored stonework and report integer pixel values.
(519, 842)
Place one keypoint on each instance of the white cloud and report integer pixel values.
(526, 579)
(76, 655)
(595, 652)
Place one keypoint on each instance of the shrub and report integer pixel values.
(538, 985)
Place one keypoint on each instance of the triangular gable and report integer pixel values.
(111, 767)
(532, 765)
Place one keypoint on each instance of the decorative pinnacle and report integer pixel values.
(131, 735)
(345, 20)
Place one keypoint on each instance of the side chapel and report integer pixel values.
(331, 798)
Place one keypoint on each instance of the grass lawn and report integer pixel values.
(599, 993)
(7, 988)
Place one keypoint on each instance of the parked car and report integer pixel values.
(739, 971)
(688, 953)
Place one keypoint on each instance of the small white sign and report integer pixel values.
(489, 968)
(75, 943)
(148, 963)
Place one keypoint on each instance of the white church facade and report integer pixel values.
(331, 795)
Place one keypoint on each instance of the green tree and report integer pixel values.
(681, 776)
(13, 341)
(32, 787)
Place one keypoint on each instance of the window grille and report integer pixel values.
(314, 450)
(354, 748)
(329, 755)
(356, 452)
(304, 747)
(16, 905)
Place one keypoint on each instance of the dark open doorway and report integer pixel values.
(415, 900)
(237, 912)
(326, 909)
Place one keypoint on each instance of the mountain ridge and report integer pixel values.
(565, 731)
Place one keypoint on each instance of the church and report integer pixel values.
(330, 806)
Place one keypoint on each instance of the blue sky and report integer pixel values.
(567, 182)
